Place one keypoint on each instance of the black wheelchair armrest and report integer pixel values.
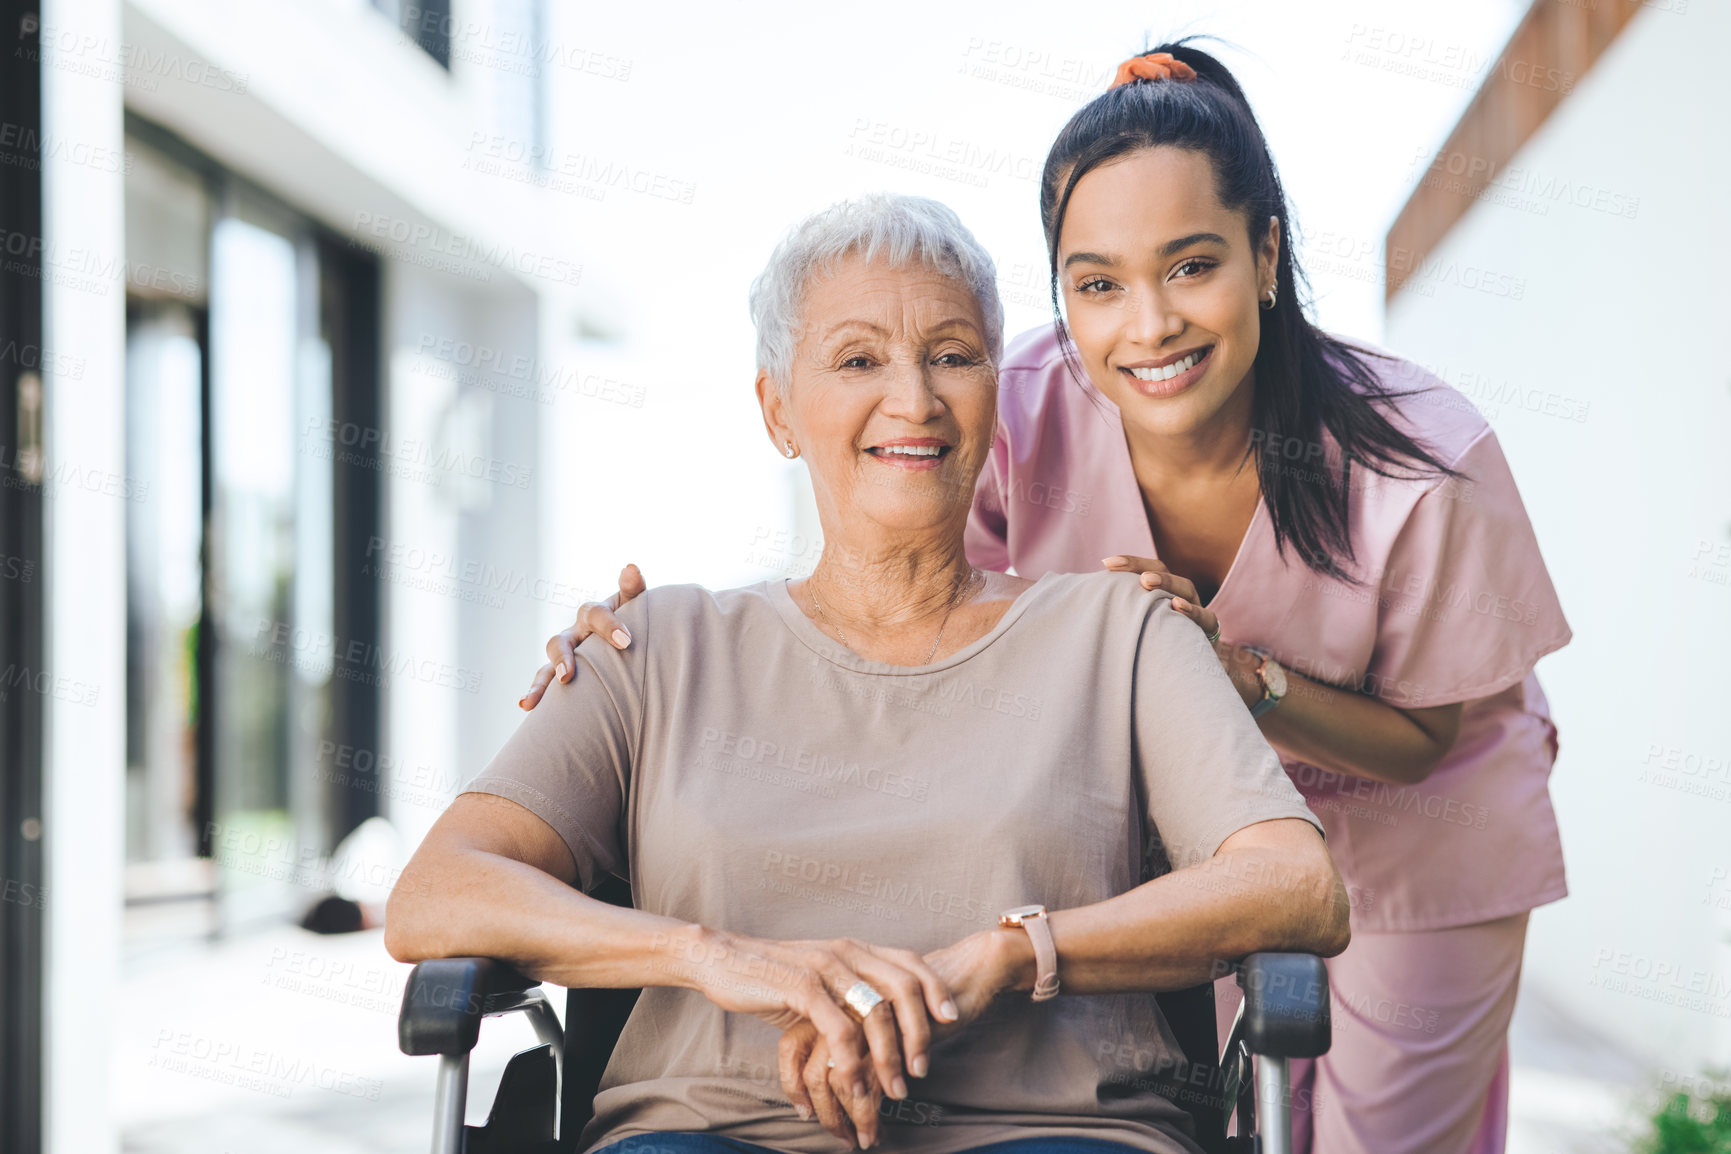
(1286, 1005)
(445, 999)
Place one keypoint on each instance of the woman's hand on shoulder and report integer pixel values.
(592, 617)
(1157, 576)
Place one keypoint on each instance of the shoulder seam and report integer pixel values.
(1454, 463)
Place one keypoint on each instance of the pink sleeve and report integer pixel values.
(1466, 606)
(986, 539)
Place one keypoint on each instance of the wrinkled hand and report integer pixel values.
(815, 1086)
(785, 983)
(976, 970)
(592, 617)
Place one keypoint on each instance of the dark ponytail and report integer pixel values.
(1306, 381)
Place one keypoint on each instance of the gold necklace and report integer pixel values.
(955, 599)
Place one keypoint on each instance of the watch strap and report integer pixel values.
(1045, 957)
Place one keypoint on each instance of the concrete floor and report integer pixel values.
(281, 1040)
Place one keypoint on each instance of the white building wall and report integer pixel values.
(460, 558)
(85, 529)
(1596, 344)
(321, 104)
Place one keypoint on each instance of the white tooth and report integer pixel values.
(1168, 372)
(1187, 363)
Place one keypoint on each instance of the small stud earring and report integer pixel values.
(789, 451)
(1273, 292)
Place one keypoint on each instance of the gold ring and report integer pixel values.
(861, 999)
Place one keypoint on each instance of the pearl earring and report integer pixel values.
(790, 452)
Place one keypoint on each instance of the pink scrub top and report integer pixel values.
(1455, 605)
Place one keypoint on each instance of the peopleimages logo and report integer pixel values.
(418, 236)
(88, 54)
(88, 270)
(408, 458)
(1453, 272)
(567, 171)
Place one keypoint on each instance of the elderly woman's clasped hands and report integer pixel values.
(858, 1019)
(828, 1075)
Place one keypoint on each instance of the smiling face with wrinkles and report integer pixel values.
(892, 401)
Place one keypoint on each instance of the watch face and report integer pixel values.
(1274, 677)
(1014, 917)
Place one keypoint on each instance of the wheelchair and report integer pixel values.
(547, 1093)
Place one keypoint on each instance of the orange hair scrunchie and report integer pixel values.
(1154, 66)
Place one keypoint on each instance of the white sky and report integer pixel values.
(758, 105)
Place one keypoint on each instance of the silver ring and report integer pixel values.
(1215, 636)
(861, 999)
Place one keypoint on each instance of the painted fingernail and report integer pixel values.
(1149, 580)
(1112, 561)
(948, 1011)
(802, 1110)
(560, 672)
(918, 1067)
(523, 702)
(621, 638)
(898, 1088)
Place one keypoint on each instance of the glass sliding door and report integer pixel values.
(169, 885)
(247, 367)
(270, 557)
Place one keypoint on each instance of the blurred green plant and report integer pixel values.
(1691, 1124)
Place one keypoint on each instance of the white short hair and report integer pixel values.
(899, 228)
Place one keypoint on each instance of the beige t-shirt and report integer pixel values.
(745, 771)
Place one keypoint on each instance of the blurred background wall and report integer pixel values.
(1556, 265)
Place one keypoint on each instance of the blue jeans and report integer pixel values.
(676, 1142)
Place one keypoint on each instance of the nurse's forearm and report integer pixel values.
(1354, 733)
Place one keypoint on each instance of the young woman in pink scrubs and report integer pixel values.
(1345, 527)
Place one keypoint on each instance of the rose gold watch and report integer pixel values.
(1033, 919)
(1273, 680)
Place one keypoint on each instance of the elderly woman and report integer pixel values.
(903, 819)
